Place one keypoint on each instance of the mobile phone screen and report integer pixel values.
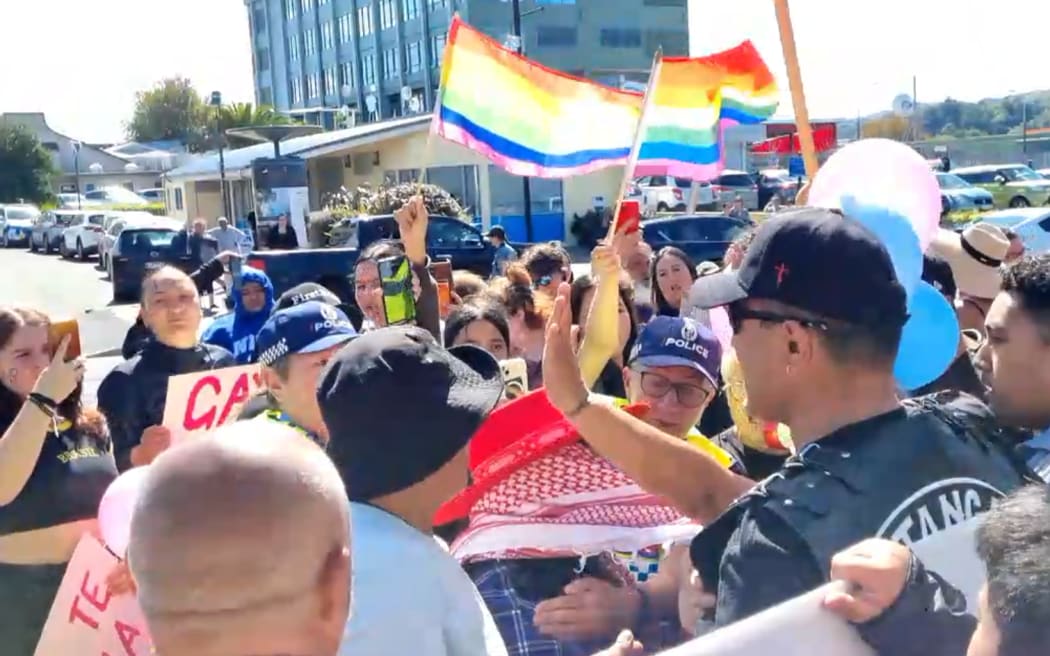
(442, 271)
(399, 302)
(58, 332)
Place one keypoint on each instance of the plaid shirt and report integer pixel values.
(514, 615)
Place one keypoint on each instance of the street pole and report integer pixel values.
(216, 102)
(526, 187)
(1024, 125)
(76, 169)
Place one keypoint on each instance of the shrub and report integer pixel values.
(156, 209)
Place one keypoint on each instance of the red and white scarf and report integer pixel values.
(572, 503)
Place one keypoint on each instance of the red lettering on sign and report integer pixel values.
(191, 421)
(91, 595)
(127, 635)
(75, 613)
(238, 395)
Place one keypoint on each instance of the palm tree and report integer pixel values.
(241, 115)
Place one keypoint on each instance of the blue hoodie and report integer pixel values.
(236, 331)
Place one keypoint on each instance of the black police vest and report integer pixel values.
(921, 479)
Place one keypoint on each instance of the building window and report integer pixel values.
(557, 36)
(414, 56)
(262, 59)
(347, 71)
(289, 9)
(364, 20)
(330, 85)
(293, 47)
(310, 43)
(346, 29)
(434, 4)
(296, 90)
(675, 43)
(561, 2)
(368, 69)
(438, 47)
(621, 37)
(266, 97)
(387, 14)
(326, 36)
(313, 85)
(390, 68)
(307, 5)
(259, 18)
(409, 9)
(323, 2)
(178, 198)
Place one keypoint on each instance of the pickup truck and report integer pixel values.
(448, 238)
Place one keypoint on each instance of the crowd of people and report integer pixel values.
(384, 494)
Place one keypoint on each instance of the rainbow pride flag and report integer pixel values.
(526, 118)
(692, 102)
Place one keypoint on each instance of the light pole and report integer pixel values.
(1024, 120)
(76, 169)
(216, 102)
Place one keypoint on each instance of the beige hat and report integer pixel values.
(974, 256)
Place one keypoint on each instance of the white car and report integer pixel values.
(1032, 225)
(83, 235)
(662, 193)
(731, 184)
(115, 196)
(117, 221)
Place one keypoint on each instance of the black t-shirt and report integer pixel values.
(749, 462)
(961, 376)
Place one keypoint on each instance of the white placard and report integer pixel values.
(204, 400)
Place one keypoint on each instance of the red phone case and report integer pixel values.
(629, 219)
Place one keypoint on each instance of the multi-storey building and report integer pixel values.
(381, 58)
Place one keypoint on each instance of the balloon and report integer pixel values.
(883, 173)
(896, 235)
(116, 507)
(721, 327)
(930, 340)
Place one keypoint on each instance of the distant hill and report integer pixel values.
(954, 118)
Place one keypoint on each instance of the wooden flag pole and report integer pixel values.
(636, 147)
(798, 95)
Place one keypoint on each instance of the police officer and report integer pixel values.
(817, 314)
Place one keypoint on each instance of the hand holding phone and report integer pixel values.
(59, 330)
(399, 302)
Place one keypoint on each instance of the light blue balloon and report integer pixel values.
(930, 340)
(896, 234)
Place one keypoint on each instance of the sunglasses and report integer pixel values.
(738, 314)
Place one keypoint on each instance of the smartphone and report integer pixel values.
(515, 378)
(444, 298)
(629, 218)
(58, 332)
(399, 303)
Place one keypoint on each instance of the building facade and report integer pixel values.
(380, 59)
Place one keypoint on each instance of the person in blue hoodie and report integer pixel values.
(252, 303)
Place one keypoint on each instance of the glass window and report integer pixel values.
(673, 42)
(449, 233)
(409, 9)
(326, 36)
(262, 59)
(347, 71)
(507, 198)
(293, 47)
(346, 31)
(21, 213)
(390, 68)
(289, 9)
(736, 180)
(364, 20)
(559, 36)
(414, 55)
(141, 242)
(97, 219)
(438, 48)
(387, 14)
(434, 4)
(368, 69)
(310, 43)
(621, 37)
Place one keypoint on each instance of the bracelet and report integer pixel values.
(580, 407)
(47, 405)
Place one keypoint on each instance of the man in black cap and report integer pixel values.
(505, 253)
(817, 315)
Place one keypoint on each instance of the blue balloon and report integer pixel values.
(896, 234)
(930, 340)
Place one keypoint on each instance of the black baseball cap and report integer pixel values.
(304, 293)
(399, 407)
(497, 231)
(816, 260)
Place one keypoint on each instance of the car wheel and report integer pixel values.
(1019, 201)
(80, 251)
(661, 207)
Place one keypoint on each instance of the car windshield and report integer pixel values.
(22, 213)
(1021, 174)
(64, 219)
(144, 241)
(949, 181)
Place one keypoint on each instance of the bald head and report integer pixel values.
(240, 534)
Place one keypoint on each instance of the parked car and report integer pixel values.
(1011, 185)
(1032, 225)
(731, 184)
(16, 222)
(1044, 172)
(119, 221)
(115, 196)
(46, 233)
(82, 235)
(139, 249)
(958, 194)
(704, 236)
(775, 182)
(661, 193)
(75, 201)
(155, 195)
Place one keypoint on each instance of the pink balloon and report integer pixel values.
(882, 173)
(116, 508)
(721, 327)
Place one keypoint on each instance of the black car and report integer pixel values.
(704, 236)
(139, 250)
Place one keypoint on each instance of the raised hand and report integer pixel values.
(60, 378)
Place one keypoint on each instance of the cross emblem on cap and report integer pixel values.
(782, 271)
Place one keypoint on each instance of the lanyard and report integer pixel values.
(282, 418)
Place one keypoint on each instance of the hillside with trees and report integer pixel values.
(956, 118)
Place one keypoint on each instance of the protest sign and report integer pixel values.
(85, 618)
(798, 627)
(202, 401)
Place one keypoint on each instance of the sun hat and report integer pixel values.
(974, 257)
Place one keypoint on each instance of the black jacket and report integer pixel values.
(139, 335)
(278, 241)
(132, 396)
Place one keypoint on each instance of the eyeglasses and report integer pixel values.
(738, 314)
(687, 394)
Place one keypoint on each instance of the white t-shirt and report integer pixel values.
(410, 597)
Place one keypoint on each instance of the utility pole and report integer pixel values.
(1024, 125)
(216, 102)
(526, 184)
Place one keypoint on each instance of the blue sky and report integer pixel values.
(81, 61)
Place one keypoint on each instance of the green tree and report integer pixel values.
(25, 166)
(172, 109)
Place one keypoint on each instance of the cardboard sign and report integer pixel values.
(85, 618)
(202, 401)
(797, 627)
